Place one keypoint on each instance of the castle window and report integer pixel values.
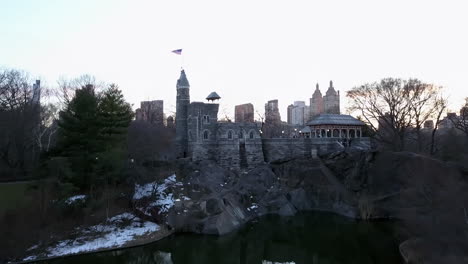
(205, 135)
(251, 135)
(190, 135)
(229, 134)
(206, 119)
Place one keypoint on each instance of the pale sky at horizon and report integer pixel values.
(246, 51)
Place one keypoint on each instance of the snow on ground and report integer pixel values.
(75, 198)
(110, 234)
(254, 206)
(163, 200)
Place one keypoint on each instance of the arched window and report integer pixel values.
(206, 119)
(205, 134)
(229, 134)
(190, 135)
(251, 135)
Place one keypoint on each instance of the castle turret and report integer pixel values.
(182, 103)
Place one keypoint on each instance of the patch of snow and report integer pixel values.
(114, 236)
(75, 198)
(30, 258)
(254, 206)
(186, 198)
(121, 217)
(145, 190)
(165, 202)
(33, 247)
(162, 199)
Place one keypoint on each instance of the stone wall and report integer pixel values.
(282, 148)
(231, 145)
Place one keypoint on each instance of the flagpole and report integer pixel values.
(179, 52)
(182, 61)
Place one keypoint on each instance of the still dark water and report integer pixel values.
(305, 238)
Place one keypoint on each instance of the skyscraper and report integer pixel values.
(244, 113)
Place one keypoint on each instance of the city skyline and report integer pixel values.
(227, 49)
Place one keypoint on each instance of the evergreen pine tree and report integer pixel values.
(78, 136)
(91, 137)
(114, 117)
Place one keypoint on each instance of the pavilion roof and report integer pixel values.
(335, 119)
(305, 130)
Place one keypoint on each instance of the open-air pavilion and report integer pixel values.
(333, 126)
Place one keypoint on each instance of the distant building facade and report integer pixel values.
(272, 115)
(328, 104)
(244, 113)
(289, 113)
(428, 124)
(151, 111)
(36, 99)
(300, 113)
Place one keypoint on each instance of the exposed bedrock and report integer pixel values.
(355, 184)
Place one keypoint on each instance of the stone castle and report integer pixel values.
(200, 136)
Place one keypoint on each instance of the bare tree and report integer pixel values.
(19, 116)
(461, 122)
(47, 128)
(15, 90)
(393, 108)
(426, 103)
(67, 87)
(440, 105)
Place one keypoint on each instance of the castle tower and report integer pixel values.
(316, 102)
(331, 100)
(182, 103)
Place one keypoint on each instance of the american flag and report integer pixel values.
(177, 51)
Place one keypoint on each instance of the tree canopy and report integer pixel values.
(394, 107)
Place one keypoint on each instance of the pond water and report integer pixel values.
(312, 237)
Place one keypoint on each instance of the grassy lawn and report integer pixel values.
(12, 195)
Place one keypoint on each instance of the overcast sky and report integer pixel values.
(246, 51)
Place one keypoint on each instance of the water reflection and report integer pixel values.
(305, 238)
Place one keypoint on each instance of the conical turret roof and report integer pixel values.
(213, 96)
(182, 81)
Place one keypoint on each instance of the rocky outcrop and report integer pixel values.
(428, 195)
(353, 183)
(220, 201)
